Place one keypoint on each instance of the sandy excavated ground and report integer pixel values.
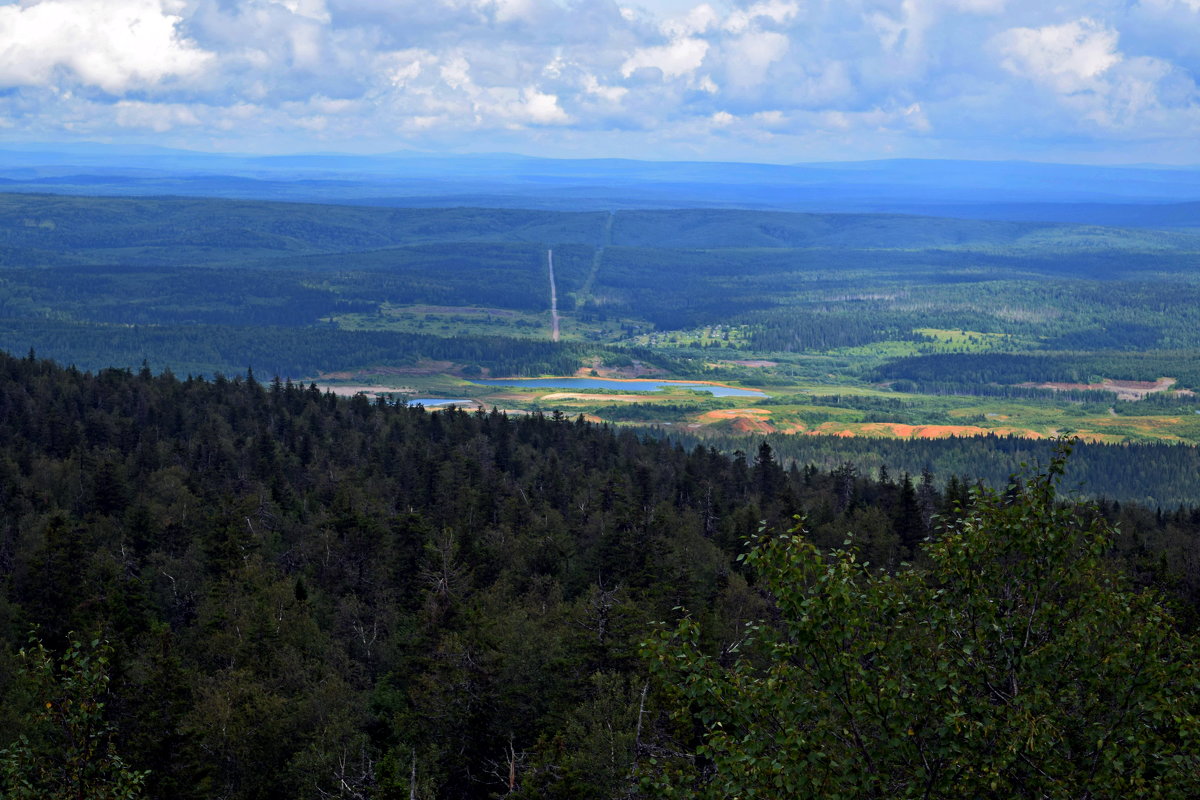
(752, 362)
(1124, 390)
(745, 420)
(638, 370)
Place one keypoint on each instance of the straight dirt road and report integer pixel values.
(553, 298)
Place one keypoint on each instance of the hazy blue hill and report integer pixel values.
(187, 230)
(991, 180)
(1122, 196)
(1128, 215)
(731, 228)
(98, 223)
(723, 228)
(156, 231)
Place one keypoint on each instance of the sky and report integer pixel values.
(1101, 81)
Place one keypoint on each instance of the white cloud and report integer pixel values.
(915, 118)
(114, 45)
(456, 73)
(431, 91)
(331, 105)
(307, 45)
(158, 117)
(751, 55)
(979, 6)
(769, 119)
(432, 72)
(776, 11)
(541, 108)
(512, 10)
(313, 9)
(1068, 57)
(680, 57)
(405, 73)
(612, 94)
(897, 119)
(1099, 85)
(1194, 5)
(699, 20)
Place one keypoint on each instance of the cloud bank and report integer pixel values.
(767, 79)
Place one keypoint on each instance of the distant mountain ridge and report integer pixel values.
(162, 230)
(1157, 197)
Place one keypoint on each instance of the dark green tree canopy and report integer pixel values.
(1013, 662)
(296, 595)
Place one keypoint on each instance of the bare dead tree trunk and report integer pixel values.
(412, 781)
(637, 737)
(512, 767)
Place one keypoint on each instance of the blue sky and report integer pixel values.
(1103, 81)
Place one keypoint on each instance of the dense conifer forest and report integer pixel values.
(243, 589)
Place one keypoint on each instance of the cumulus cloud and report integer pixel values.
(680, 57)
(699, 20)
(773, 73)
(1068, 57)
(612, 94)
(114, 45)
(776, 11)
(1194, 5)
(1082, 64)
(540, 108)
(313, 9)
(158, 117)
(751, 55)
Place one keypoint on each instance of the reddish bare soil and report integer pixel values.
(752, 425)
(902, 431)
(744, 420)
(734, 413)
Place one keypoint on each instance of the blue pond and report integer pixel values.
(624, 386)
(438, 401)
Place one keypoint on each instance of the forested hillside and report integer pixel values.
(848, 325)
(274, 593)
(206, 349)
(1161, 477)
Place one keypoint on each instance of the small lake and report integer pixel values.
(621, 386)
(438, 401)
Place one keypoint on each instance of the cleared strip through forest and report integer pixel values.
(586, 291)
(553, 298)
